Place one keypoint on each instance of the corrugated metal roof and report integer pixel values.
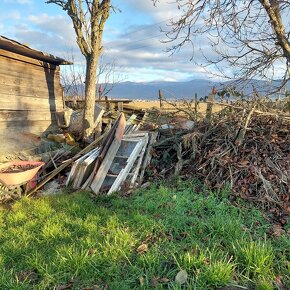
(19, 48)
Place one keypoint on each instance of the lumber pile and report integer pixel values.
(119, 163)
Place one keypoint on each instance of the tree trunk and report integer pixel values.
(90, 95)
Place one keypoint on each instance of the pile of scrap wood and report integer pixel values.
(119, 163)
(115, 160)
(240, 146)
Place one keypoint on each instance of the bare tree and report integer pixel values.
(88, 19)
(73, 76)
(252, 37)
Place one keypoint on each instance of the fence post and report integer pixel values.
(160, 98)
(210, 105)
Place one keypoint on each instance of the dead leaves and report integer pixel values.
(31, 276)
(143, 248)
(151, 239)
(276, 230)
(154, 282)
(181, 277)
(65, 287)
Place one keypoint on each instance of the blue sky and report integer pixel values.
(132, 38)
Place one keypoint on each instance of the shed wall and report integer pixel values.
(30, 94)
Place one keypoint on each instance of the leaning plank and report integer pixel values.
(75, 167)
(140, 160)
(105, 166)
(67, 163)
(109, 156)
(147, 158)
(116, 131)
(85, 168)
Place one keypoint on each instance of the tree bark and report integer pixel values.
(274, 12)
(90, 95)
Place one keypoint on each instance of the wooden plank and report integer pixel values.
(109, 156)
(36, 129)
(76, 167)
(26, 59)
(40, 79)
(105, 166)
(27, 123)
(67, 163)
(86, 168)
(8, 116)
(140, 160)
(30, 73)
(33, 91)
(10, 65)
(147, 158)
(29, 103)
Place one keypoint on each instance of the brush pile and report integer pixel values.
(240, 146)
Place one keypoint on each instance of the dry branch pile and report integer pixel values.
(241, 147)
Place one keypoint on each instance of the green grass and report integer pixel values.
(79, 241)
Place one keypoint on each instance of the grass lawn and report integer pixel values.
(146, 241)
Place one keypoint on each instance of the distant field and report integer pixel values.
(139, 104)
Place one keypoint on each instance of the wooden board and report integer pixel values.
(50, 91)
(41, 80)
(147, 158)
(11, 65)
(39, 128)
(25, 59)
(10, 116)
(109, 156)
(29, 103)
(27, 123)
(28, 73)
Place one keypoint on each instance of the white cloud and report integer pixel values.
(58, 25)
(19, 1)
(163, 11)
(11, 15)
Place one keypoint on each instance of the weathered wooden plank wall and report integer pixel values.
(30, 94)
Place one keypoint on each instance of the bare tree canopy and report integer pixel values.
(251, 36)
(88, 18)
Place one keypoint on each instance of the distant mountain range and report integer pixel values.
(178, 90)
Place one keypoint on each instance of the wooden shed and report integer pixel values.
(30, 89)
